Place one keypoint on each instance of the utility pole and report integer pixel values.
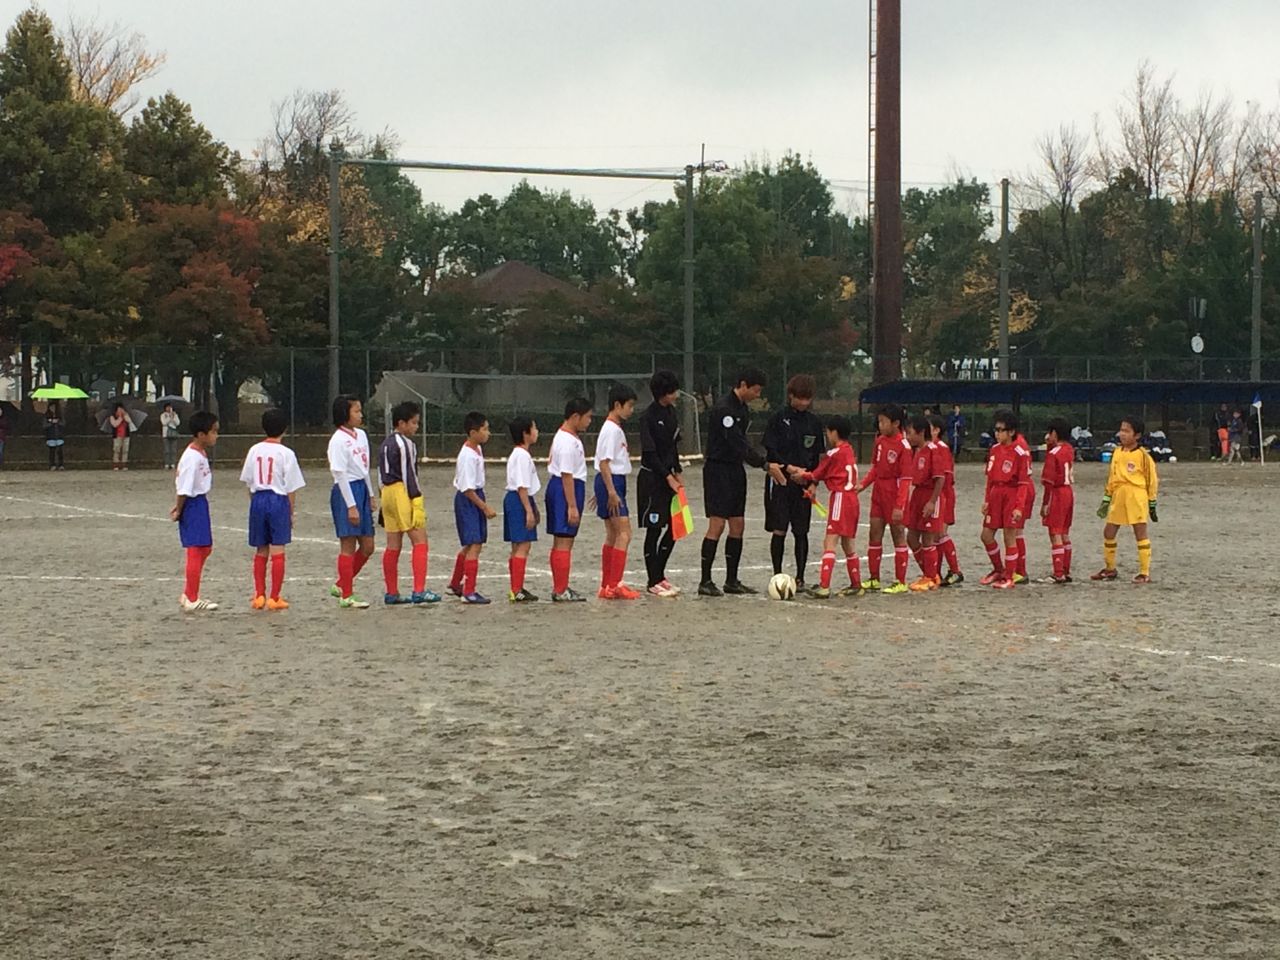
(886, 323)
(688, 277)
(1255, 342)
(1004, 279)
(335, 229)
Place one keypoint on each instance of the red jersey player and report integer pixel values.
(946, 546)
(924, 510)
(839, 470)
(1028, 506)
(890, 483)
(1003, 506)
(1059, 496)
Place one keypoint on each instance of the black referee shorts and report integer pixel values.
(724, 489)
(785, 507)
(653, 499)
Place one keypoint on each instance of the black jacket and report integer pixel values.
(727, 433)
(660, 440)
(794, 438)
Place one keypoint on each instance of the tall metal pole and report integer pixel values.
(1255, 342)
(1004, 279)
(335, 229)
(887, 322)
(688, 279)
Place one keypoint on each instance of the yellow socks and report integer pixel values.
(1144, 557)
(1109, 554)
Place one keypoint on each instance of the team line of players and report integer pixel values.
(912, 478)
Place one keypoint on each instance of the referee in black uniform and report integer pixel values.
(659, 479)
(794, 437)
(724, 480)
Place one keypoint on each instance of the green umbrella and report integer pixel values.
(59, 391)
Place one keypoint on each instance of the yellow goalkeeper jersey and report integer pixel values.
(1134, 472)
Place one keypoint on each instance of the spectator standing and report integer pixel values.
(54, 434)
(955, 430)
(169, 421)
(121, 426)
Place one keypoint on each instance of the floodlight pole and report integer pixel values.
(1255, 332)
(337, 158)
(1003, 372)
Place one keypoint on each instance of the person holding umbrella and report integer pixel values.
(54, 434)
(121, 425)
(169, 421)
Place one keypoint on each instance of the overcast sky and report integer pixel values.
(591, 83)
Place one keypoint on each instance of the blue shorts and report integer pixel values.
(602, 498)
(270, 519)
(194, 527)
(558, 507)
(513, 528)
(342, 524)
(473, 525)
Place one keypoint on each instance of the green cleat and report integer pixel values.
(820, 593)
(852, 591)
(872, 585)
(335, 592)
(352, 603)
(896, 589)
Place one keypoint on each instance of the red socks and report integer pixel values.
(419, 567)
(1066, 558)
(277, 575)
(470, 571)
(873, 560)
(346, 573)
(619, 566)
(929, 564)
(196, 556)
(828, 565)
(901, 556)
(1058, 556)
(1022, 556)
(606, 567)
(854, 566)
(391, 570)
(1010, 563)
(560, 560)
(993, 553)
(948, 548)
(360, 560)
(259, 576)
(458, 564)
(515, 566)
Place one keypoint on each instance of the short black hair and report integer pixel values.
(841, 425)
(119, 406)
(620, 395)
(342, 404)
(576, 407)
(1136, 423)
(920, 424)
(473, 421)
(202, 421)
(937, 423)
(1008, 418)
(662, 383)
(518, 427)
(275, 422)
(404, 411)
(751, 376)
(1059, 426)
(894, 412)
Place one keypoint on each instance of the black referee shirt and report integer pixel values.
(660, 440)
(794, 438)
(727, 433)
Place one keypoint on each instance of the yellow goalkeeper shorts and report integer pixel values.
(1128, 507)
(399, 513)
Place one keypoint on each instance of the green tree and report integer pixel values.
(171, 158)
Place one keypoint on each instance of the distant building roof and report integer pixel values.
(515, 282)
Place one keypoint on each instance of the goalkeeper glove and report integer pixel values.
(1105, 508)
(1151, 509)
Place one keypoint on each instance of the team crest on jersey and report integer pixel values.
(1131, 467)
(920, 463)
(1007, 467)
(893, 456)
(727, 421)
(809, 441)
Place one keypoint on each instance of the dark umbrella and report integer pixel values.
(104, 414)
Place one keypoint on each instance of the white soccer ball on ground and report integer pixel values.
(782, 587)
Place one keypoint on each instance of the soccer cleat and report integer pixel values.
(924, 585)
(393, 599)
(896, 588)
(991, 578)
(426, 596)
(1141, 578)
(335, 591)
(820, 593)
(852, 590)
(708, 589)
(352, 603)
(522, 596)
(1059, 579)
(277, 603)
(569, 595)
(872, 585)
(737, 588)
(455, 589)
(1105, 574)
(606, 593)
(194, 606)
(476, 598)
(660, 590)
(1068, 579)
(623, 592)
(671, 588)
(1003, 584)
(258, 603)
(953, 579)
(1019, 579)
(800, 587)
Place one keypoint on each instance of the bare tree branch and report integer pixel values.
(1147, 128)
(107, 62)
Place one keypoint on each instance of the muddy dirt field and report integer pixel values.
(1090, 771)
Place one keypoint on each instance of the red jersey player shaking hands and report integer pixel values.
(1004, 505)
(924, 509)
(839, 470)
(890, 483)
(947, 506)
(1058, 505)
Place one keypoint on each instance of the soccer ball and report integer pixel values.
(1173, 459)
(782, 587)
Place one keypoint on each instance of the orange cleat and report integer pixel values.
(607, 593)
(923, 585)
(623, 592)
(277, 603)
(258, 603)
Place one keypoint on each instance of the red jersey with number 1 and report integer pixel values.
(890, 475)
(839, 471)
(1059, 487)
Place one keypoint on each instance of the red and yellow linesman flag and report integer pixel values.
(681, 516)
